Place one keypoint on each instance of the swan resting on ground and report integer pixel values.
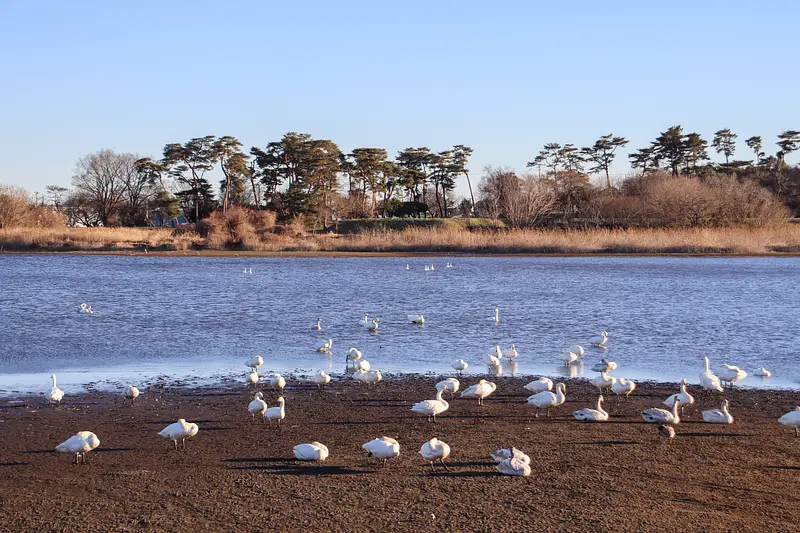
(435, 450)
(315, 451)
(592, 415)
(539, 385)
(662, 416)
(382, 448)
(792, 420)
(180, 430)
(718, 416)
(80, 444)
(512, 462)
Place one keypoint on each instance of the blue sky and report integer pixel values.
(501, 77)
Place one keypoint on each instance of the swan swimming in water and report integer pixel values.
(417, 319)
(365, 320)
(86, 309)
(539, 385)
(431, 408)
(480, 390)
(315, 451)
(548, 399)
(319, 325)
(56, 394)
(600, 340)
(325, 347)
(435, 450)
(258, 406)
(792, 420)
(180, 430)
(708, 380)
(763, 372)
(382, 448)
(80, 444)
(460, 365)
(496, 315)
(718, 416)
(592, 415)
(373, 326)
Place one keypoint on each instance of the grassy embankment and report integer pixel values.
(426, 236)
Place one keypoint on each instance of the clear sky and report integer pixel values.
(501, 77)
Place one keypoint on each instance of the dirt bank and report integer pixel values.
(237, 475)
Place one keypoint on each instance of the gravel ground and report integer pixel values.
(237, 475)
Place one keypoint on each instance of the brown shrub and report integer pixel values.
(262, 221)
(229, 230)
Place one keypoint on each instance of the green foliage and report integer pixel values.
(671, 147)
(602, 153)
(725, 143)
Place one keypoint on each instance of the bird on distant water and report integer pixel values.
(763, 372)
(600, 340)
(86, 309)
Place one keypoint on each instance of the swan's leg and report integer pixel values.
(432, 466)
(434, 418)
(176, 444)
(444, 465)
(548, 412)
(384, 463)
(183, 444)
(796, 431)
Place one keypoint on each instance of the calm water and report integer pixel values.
(202, 317)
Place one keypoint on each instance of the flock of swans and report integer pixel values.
(546, 395)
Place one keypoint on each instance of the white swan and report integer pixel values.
(252, 378)
(708, 380)
(452, 385)
(180, 430)
(363, 364)
(365, 320)
(432, 267)
(427, 268)
(480, 390)
(539, 385)
(56, 394)
(406, 266)
(511, 353)
(353, 355)
(321, 379)
(254, 362)
(258, 406)
(577, 349)
(600, 340)
(792, 420)
(492, 360)
(318, 327)
(568, 357)
(325, 347)
(276, 413)
(731, 374)
(315, 451)
(80, 444)
(277, 381)
(623, 387)
(547, 399)
(371, 377)
(516, 464)
(683, 397)
(662, 416)
(509, 453)
(435, 450)
(417, 319)
(592, 415)
(460, 365)
(763, 372)
(373, 326)
(604, 366)
(496, 315)
(87, 309)
(131, 393)
(603, 381)
(431, 408)
(718, 416)
(382, 448)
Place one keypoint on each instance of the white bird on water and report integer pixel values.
(496, 315)
(547, 399)
(763, 372)
(258, 406)
(373, 325)
(406, 266)
(180, 430)
(86, 309)
(431, 408)
(511, 353)
(56, 394)
(708, 380)
(382, 448)
(604, 366)
(315, 451)
(460, 365)
(321, 379)
(435, 450)
(131, 393)
(80, 444)
(276, 413)
(718, 416)
(539, 385)
(592, 415)
(568, 357)
(325, 347)
(254, 362)
(319, 325)
(417, 319)
(365, 320)
(792, 420)
(600, 340)
(480, 390)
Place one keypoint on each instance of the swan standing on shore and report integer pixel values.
(600, 341)
(592, 415)
(180, 430)
(353, 355)
(460, 365)
(315, 451)
(708, 380)
(539, 385)
(718, 416)
(480, 390)
(603, 381)
(363, 364)
(431, 408)
(56, 394)
(667, 431)
(662, 416)
(254, 362)
(278, 382)
(371, 377)
(131, 393)
(730, 374)
(683, 397)
(80, 444)
(321, 379)
(435, 450)
(623, 387)
(417, 319)
(276, 413)
(792, 420)
(258, 406)
(252, 378)
(452, 385)
(568, 357)
(382, 448)
(763, 373)
(547, 399)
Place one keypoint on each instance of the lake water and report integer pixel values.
(202, 317)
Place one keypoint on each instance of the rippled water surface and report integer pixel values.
(194, 316)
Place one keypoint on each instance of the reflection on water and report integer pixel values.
(195, 316)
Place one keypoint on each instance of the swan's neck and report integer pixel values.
(53, 377)
(708, 368)
(675, 411)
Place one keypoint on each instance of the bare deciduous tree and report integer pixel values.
(101, 177)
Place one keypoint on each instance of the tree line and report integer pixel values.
(300, 176)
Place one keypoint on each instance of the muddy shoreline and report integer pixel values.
(237, 475)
